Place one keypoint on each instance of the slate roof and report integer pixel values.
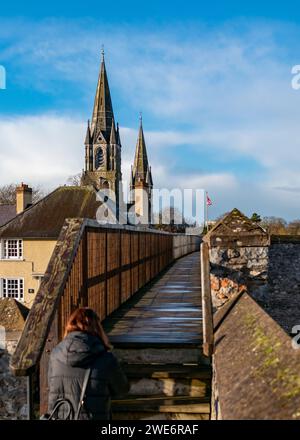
(7, 212)
(46, 218)
(257, 369)
(236, 228)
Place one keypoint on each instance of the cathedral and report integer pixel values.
(103, 157)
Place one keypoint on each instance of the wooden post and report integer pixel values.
(106, 269)
(120, 266)
(208, 329)
(85, 253)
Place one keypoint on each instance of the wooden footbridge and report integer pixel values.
(146, 287)
(158, 336)
(166, 312)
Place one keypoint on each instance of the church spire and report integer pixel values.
(102, 144)
(113, 138)
(141, 184)
(118, 135)
(103, 110)
(88, 134)
(141, 165)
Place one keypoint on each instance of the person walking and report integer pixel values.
(85, 346)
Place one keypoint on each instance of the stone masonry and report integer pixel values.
(243, 257)
(239, 256)
(283, 301)
(13, 390)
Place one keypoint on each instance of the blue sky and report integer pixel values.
(213, 82)
(156, 11)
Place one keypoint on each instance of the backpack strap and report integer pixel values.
(54, 414)
(84, 386)
(83, 390)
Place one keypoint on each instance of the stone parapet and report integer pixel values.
(239, 256)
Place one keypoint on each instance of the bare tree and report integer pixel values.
(274, 225)
(8, 194)
(74, 180)
(170, 219)
(294, 227)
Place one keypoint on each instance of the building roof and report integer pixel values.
(46, 218)
(7, 212)
(236, 228)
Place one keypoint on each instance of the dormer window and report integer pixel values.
(11, 249)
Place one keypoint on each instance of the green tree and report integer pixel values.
(256, 218)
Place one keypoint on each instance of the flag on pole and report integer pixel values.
(208, 201)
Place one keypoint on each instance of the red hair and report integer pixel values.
(86, 320)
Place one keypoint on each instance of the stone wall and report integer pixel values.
(236, 269)
(13, 390)
(185, 244)
(269, 272)
(283, 300)
(238, 251)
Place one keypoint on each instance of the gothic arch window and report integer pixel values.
(99, 158)
(105, 184)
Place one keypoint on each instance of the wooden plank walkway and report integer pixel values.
(166, 312)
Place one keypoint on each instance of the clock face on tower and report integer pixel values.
(99, 158)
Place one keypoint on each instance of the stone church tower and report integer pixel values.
(102, 143)
(141, 183)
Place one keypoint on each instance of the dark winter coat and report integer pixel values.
(68, 363)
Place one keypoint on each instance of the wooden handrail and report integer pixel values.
(61, 286)
(208, 329)
(38, 322)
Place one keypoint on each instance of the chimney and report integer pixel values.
(24, 197)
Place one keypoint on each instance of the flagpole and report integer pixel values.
(206, 211)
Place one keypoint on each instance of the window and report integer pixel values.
(12, 288)
(11, 249)
(99, 158)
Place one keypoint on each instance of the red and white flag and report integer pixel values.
(208, 201)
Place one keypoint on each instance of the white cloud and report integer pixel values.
(40, 149)
(224, 90)
(48, 149)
